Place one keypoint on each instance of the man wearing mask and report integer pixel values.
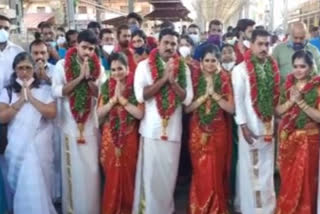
(215, 38)
(135, 21)
(124, 37)
(139, 44)
(107, 43)
(298, 41)
(243, 32)
(315, 37)
(48, 36)
(8, 51)
(61, 42)
(194, 33)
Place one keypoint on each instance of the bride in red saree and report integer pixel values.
(299, 138)
(119, 113)
(210, 140)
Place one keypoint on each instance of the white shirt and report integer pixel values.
(67, 122)
(245, 113)
(6, 60)
(151, 124)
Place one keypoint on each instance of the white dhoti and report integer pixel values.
(156, 176)
(80, 176)
(255, 176)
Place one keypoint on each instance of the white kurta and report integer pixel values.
(80, 165)
(255, 169)
(158, 160)
(29, 156)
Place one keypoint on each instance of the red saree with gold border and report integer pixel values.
(298, 163)
(119, 167)
(210, 150)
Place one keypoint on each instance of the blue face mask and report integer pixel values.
(297, 46)
(133, 28)
(139, 51)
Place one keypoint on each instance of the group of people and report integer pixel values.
(94, 119)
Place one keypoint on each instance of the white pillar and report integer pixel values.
(71, 14)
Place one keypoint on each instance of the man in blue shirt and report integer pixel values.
(315, 37)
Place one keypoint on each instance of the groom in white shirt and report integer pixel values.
(163, 83)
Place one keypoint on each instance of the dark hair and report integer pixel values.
(226, 45)
(5, 18)
(120, 28)
(305, 55)
(135, 16)
(167, 24)
(141, 34)
(105, 31)
(228, 34)
(212, 49)
(61, 29)
(69, 33)
(13, 82)
(215, 22)
(94, 25)
(260, 27)
(229, 29)
(87, 36)
(314, 29)
(257, 33)
(45, 25)
(118, 57)
(274, 39)
(242, 25)
(188, 39)
(168, 31)
(37, 35)
(194, 26)
(35, 43)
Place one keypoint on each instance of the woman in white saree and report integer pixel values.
(28, 108)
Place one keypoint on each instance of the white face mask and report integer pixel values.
(156, 36)
(231, 41)
(185, 51)
(4, 36)
(61, 40)
(228, 66)
(195, 38)
(246, 43)
(108, 48)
